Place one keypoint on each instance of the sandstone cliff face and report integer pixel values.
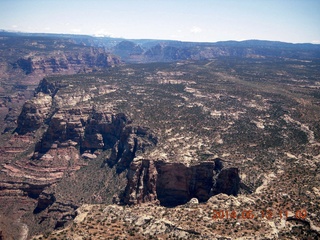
(142, 183)
(86, 127)
(50, 106)
(33, 113)
(92, 130)
(132, 140)
(65, 61)
(174, 184)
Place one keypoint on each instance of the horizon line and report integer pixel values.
(151, 39)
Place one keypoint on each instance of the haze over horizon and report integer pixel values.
(198, 21)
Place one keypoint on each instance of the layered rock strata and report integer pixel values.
(64, 121)
(174, 184)
(85, 59)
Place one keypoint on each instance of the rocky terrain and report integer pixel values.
(25, 60)
(167, 141)
(189, 221)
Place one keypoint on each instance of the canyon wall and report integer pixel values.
(172, 184)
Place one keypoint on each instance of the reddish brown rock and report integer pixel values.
(33, 113)
(228, 181)
(142, 179)
(175, 184)
(133, 140)
(66, 62)
(44, 200)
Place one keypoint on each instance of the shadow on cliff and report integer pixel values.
(172, 184)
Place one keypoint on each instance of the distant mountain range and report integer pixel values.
(148, 50)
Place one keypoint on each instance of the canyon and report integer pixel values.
(74, 130)
(105, 147)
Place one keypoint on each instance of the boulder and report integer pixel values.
(89, 156)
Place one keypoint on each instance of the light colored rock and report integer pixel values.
(47, 157)
(89, 156)
(158, 227)
(142, 220)
(316, 191)
(218, 198)
(82, 212)
(194, 201)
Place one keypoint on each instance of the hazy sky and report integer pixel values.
(197, 20)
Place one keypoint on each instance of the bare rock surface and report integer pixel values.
(174, 184)
(164, 134)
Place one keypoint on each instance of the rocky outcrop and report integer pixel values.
(33, 113)
(128, 46)
(91, 130)
(142, 183)
(86, 59)
(44, 200)
(132, 140)
(228, 182)
(167, 53)
(25, 65)
(47, 87)
(174, 184)
(127, 50)
(102, 130)
(49, 105)
(60, 213)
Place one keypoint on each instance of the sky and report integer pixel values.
(296, 21)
